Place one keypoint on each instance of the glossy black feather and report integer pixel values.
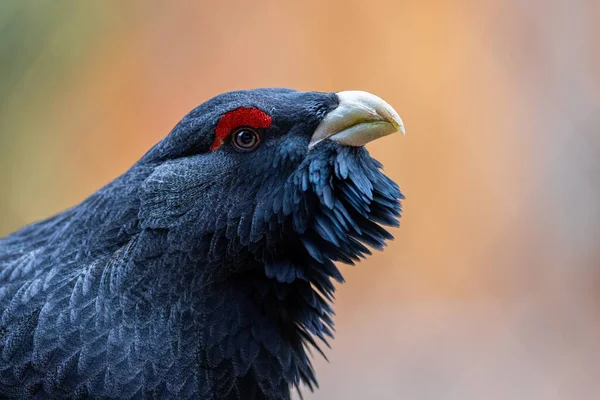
(194, 274)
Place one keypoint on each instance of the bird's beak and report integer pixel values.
(359, 118)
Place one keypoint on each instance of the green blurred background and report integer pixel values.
(492, 287)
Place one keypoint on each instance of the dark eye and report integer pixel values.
(245, 139)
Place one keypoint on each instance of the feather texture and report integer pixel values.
(196, 274)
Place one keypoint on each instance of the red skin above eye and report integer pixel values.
(251, 117)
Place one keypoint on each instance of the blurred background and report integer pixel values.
(491, 289)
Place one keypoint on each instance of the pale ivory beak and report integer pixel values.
(359, 118)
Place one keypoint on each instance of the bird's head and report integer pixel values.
(260, 192)
(278, 176)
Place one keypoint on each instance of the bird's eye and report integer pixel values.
(245, 139)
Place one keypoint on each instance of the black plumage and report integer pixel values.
(195, 274)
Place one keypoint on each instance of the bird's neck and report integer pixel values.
(245, 329)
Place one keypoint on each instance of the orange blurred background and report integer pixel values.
(491, 289)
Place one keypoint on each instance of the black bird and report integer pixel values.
(205, 271)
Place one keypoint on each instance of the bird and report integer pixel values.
(208, 269)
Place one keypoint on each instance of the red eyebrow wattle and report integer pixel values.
(251, 117)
